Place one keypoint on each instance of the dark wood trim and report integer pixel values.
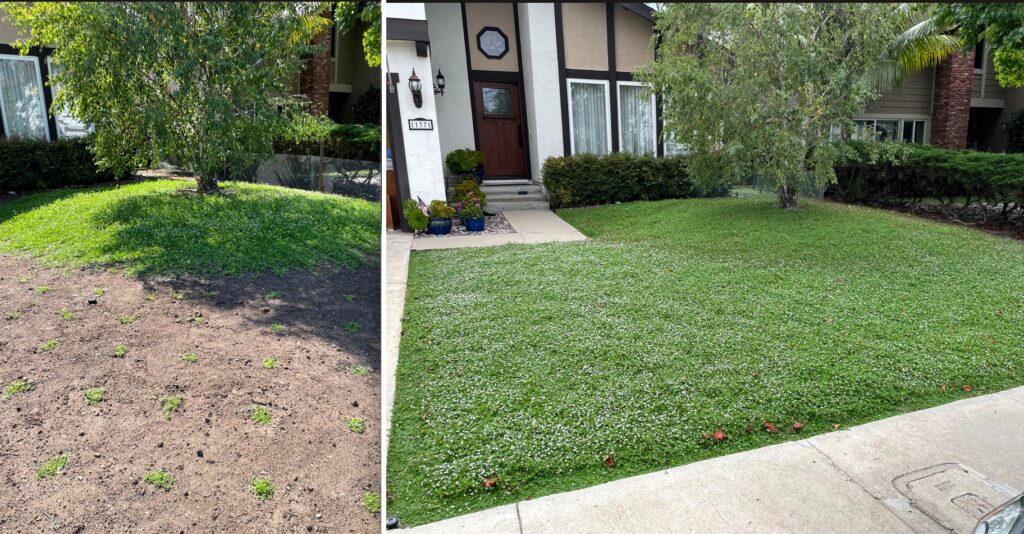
(599, 75)
(522, 92)
(508, 44)
(613, 88)
(495, 76)
(40, 53)
(469, 77)
(407, 30)
(394, 125)
(563, 91)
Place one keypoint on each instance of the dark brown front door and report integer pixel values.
(499, 129)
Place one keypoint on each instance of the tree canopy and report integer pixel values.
(198, 84)
(348, 14)
(755, 89)
(1000, 25)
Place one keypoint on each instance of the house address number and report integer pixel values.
(421, 124)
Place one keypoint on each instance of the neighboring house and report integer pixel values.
(334, 81)
(526, 81)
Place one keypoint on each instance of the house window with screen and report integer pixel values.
(637, 131)
(908, 130)
(22, 107)
(589, 120)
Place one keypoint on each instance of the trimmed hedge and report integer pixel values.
(587, 180)
(887, 172)
(30, 164)
(348, 141)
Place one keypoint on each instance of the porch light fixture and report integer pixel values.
(416, 88)
(439, 83)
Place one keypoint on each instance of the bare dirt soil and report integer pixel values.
(319, 467)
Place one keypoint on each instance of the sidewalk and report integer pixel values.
(932, 471)
(531, 226)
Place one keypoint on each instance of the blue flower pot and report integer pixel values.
(479, 173)
(439, 226)
(474, 225)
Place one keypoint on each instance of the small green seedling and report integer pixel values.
(277, 328)
(18, 386)
(99, 291)
(161, 479)
(177, 295)
(352, 326)
(273, 295)
(67, 314)
(149, 296)
(208, 293)
(51, 467)
(371, 500)
(196, 320)
(269, 363)
(120, 351)
(42, 290)
(190, 357)
(360, 371)
(263, 488)
(350, 298)
(170, 404)
(260, 415)
(128, 319)
(47, 346)
(94, 396)
(356, 424)
(13, 316)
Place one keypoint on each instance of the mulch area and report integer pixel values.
(986, 219)
(493, 224)
(320, 469)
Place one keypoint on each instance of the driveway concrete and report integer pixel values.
(936, 470)
(531, 226)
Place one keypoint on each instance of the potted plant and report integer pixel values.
(414, 215)
(466, 161)
(440, 220)
(472, 213)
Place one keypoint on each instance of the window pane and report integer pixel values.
(908, 131)
(637, 120)
(67, 126)
(887, 130)
(589, 118)
(497, 100)
(919, 132)
(21, 99)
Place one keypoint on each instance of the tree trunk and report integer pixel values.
(787, 198)
(207, 185)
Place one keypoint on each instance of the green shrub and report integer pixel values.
(883, 172)
(31, 164)
(347, 141)
(1015, 132)
(414, 215)
(440, 209)
(587, 180)
(463, 160)
(469, 186)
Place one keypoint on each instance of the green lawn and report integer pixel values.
(528, 365)
(150, 228)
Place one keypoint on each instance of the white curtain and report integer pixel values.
(589, 118)
(637, 120)
(21, 97)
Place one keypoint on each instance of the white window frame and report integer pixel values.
(927, 138)
(607, 111)
(42, 98)
(654, 114)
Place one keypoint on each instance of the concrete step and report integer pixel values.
(516, 206)
(512, 197)
(528, 189)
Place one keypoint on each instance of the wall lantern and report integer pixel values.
(416, 88)
(439, 83)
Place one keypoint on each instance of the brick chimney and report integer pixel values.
(952, 101)
(315, 79)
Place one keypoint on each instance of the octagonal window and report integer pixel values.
(492, 42)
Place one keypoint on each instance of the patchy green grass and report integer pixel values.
(260, 415)
(47, 346)
(120, 351)
(273, 295)
(161, 479)
(51, 467)
(13, 316)
(356, 424)
(42, 290)
(18, 386)
(262, 487)
(352, 326)
(149, 296)
(371, 500)
(677, 319)
(178, 295)
(94, 396)
(150, 228)
(99, 291)
(269, 363)
(196, 320)
(170, 404)
(190, 357)
(277, 328)
(359, 370)
(67, 314)
(129, 319)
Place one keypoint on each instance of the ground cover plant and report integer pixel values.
(161, 479)
(151, 229)
(685, 329)
(51, 467)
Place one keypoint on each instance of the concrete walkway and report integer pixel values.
(531, 226)
(932, 471)
(399, 244)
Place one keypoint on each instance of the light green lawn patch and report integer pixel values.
(128, 319)
(273, 295)
(42, 290)
(94, 396)
(679, 318)
(149, 296)
(99, 291)
(177, 295)
(67, 314)
(269, 363)
(47, 346)
(149, 228)
(51, 467)
(263, 488)
(190, 357)
(161, 479)
(360, 370)
(13, 316)
(371, 500)
(196, 320)
(18, 386)
(356, 424)
(170, 404)
(260, 415)
(120, 351)
(277, 328)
